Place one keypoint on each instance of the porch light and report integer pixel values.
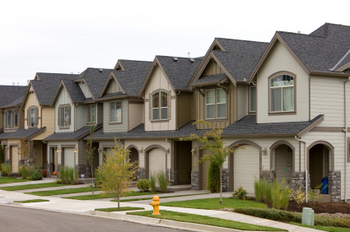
(264, 151)
(99, 150)
(75, 150)
(58, 150)
(193, 151)
(167, 151)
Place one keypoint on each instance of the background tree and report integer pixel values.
(90, 150)
(117, 172)
(24, 150)
(212, 142)
(2, 156)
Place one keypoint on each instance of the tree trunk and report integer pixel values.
(220, 184)
(92, 181)
(118, 200)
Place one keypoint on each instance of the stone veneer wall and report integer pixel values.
(298, 180)
(173, 176)
(141, 174)
(334, 186)
(269, 175)
(195, 179)
(225, 178)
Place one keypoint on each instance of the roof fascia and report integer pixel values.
(210, 83)
(276, 38)
(205, 61)
(327, 74)
(310, 127)
(343, 67)
(89, 89)
(36, 77)
(57, 93)
(119, 64)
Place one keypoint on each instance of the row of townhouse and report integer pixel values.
(285, 102)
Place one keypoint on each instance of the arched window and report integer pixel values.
(160, 105)
(282, 93)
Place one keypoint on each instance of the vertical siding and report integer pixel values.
(120, 127)
(135, 114)
(85, 90)
(330, 104)
(64, 99)
(81, 116)
(113, 87)
(184, 101)
(1, 120)
(212, 69)
(99, 113)
(158, 81)
(242, 101)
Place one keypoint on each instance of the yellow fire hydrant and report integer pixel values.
(155, 204)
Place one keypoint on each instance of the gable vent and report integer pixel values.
(192, 60)
(176, 59)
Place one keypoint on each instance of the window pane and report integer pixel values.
(155, 100)
(276, 99)
(66, 116)
(164, 100)
(221, 110)
(210, 96)
(282, 80)
(164, 113)
(288, 99)
(156, 114)
(62, 116)
(8, 119)
(221, 96)
(15, 118)
(252, 98)
(210, 111)
(89, 114)
(118, 116)
(112, 111)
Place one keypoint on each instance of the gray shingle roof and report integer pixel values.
(322, 49)
(10, 93)
(74, 91)
(47, 85)
(139, 132)
(132, 78)
(22, 133)
(212, 78)
(69, 135)
(1, 130)
(15, 103)
(247, 126)
(179, 72)
(95, 79)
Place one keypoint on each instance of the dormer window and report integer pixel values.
(64, 117)
(282, 93)
(91, 114)
(32, 117)
(215, 104)
(160, 106)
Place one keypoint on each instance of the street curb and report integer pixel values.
(164, 222)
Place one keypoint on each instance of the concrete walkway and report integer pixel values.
(87, 207)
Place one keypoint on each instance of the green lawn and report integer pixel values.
(150, 198)
(101, 196)
(214, 203)
(32, 201)
(198, 219)
(31, 186)
(6, 180)
(325, 228)
(62, 191)
(120, 209)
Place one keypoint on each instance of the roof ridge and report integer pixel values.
(180, 57)
(135, 60)
(243, 40)
(13, 85)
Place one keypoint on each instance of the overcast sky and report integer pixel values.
(69, 36)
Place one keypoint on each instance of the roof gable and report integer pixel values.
(10, 93)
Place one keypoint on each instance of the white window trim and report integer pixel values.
(282, 87)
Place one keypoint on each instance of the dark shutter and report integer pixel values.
(150, 107)
(169, 104)
(59, 117)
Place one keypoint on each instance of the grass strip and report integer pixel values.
(214, 203)
(6, 180)
(31, 186)
(205, 220)
(102, 196)
(150, 198)
(325, 228)
(32, 201)
(62, 191)
(120, 209)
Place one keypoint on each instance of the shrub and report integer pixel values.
(8, 169)
(214, 178)
(2, 156)
(315, 193)
(68, 175)
(280, 195)
(143, 185)
(267, 186)
(37, 174)
(259, 189)
(5, 169)
(298, 195)
(162, 181)
(23, 171)
(240, 193)
(152, 182)
(285, 216)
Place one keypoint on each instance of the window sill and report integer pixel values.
(114, 123)
(63, 128)
(160, 120)
(282, 113)
(216, 119)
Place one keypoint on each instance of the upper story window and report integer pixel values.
(160, 106)
(252, 99)
(282, 93)
(115, 115)
(11, 119)
(215, 104)
(64, 116)
(32, 117)
(91, 114)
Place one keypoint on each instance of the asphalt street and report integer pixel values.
(31, 220)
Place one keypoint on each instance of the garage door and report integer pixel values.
(69, 157)
(245, 168)
(14, 163)
(156, 161)
(204, 171)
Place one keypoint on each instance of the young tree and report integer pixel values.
(24, 150)
(90, 155)
(212, 142)
(2, 156)
(117, 172)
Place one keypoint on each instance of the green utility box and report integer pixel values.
(308, 216)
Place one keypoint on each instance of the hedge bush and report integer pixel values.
(143, 185)
(285, 216)
(214, 178)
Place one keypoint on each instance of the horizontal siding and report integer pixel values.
(48, 117)
(110, 128)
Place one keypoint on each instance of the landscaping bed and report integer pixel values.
(321, 207)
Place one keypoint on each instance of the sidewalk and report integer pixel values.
(87, 207)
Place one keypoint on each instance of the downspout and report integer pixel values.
(346, 136)
(306, 174)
